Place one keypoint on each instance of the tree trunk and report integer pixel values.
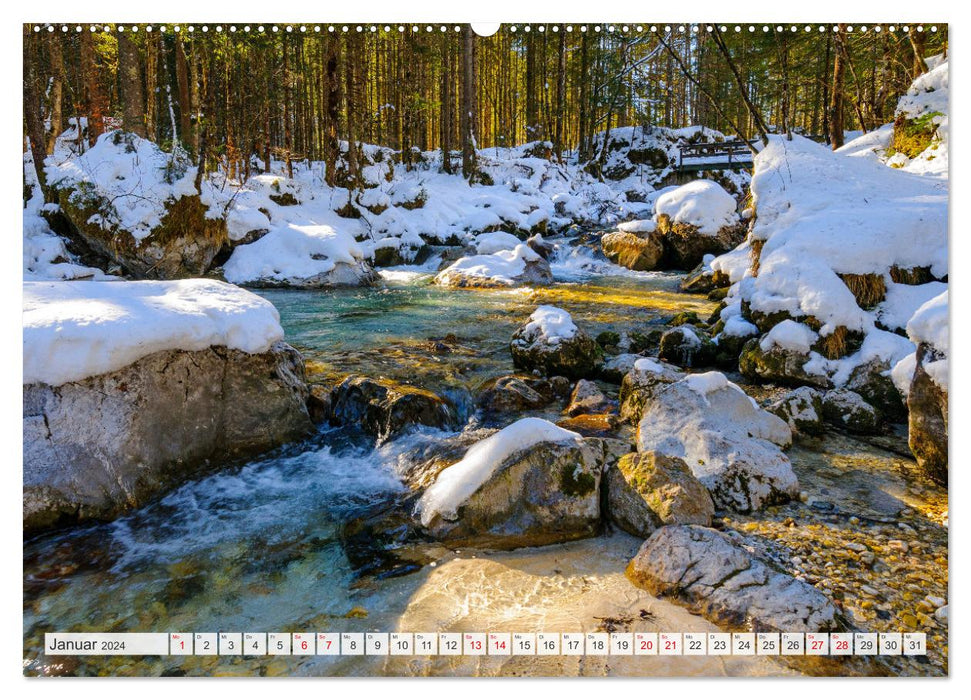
(468, 103)
(332, 106)
(56, 99)
(836, 90)
(151, 86)
(185, 106)
(560, 96)
(33, 115)
(130, 86)
(94, 100)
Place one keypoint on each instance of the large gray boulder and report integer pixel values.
(531, 483)
(648, 490)
(802, 410)
(645, 379)
(97, 447)
(730, 444)
(714, 577)
(635, 252)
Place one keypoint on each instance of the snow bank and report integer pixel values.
(789, 335)
(821, 214)
(292, 253)
(73, 330)
(459, 481)
(551, 325)
(701, 203)
(136, 179)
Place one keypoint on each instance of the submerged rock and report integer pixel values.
(730, 444)
(927, 402)
(847, 409)
(802, 410)
(384, 408)
(647, 490)
(644, 252)
(551, 342)
(531, 483)
(712, 576)
(596, 425)
(95, 448)
(703, 279)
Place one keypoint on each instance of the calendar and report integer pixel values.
(251, 644)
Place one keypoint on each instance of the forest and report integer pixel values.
(228, 93)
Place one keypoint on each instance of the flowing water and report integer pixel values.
(255, 548)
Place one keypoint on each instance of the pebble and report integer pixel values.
(936, 601)
(869, 590)
(941, 614)
(856, 547)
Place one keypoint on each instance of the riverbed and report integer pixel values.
(256, 547)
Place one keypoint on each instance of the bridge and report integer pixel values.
(726, 155)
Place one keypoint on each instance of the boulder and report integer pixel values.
(847, 409)
(872, 380)
(617, 367)
(540, 246)
(587, 398)
(551, 343)
(97, 447)
(779, 365)
(712, 576)
(687, 246)
(632, 251)
(927, 403)
(703, 279)
(143, 213)
(385, 408)
(594, 425)
(532, 483)
(686, 346)
(730, 444)
(504, 268)
(647, 490)
(802, 410)
(645, 379)
(514, 393)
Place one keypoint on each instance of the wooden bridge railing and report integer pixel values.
(730, 154)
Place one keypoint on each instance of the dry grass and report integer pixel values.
(869, 289)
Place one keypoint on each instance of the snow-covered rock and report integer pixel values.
(530, 483)
(74, 330)
(646, 377)
(97, 446)
(833, 235)
(802, 410)
(686, 346)
(695, 220)
(717, 578)
(921, 123)
(847, 409)
(138, 206)
(552, 343)
(489, 243)
(505, 268)
(730, 444)
(301, 256)
(648, 490)
(923, 378)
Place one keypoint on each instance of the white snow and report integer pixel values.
(502, 267)
(73, 330)
(903, 301)
(930, 324)
(789, 335)
(701, 203)
(458, 482)
(738, 327)
(489, 243)
(550, 325)
(638, 226)
(134, 176)
(290, 253)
